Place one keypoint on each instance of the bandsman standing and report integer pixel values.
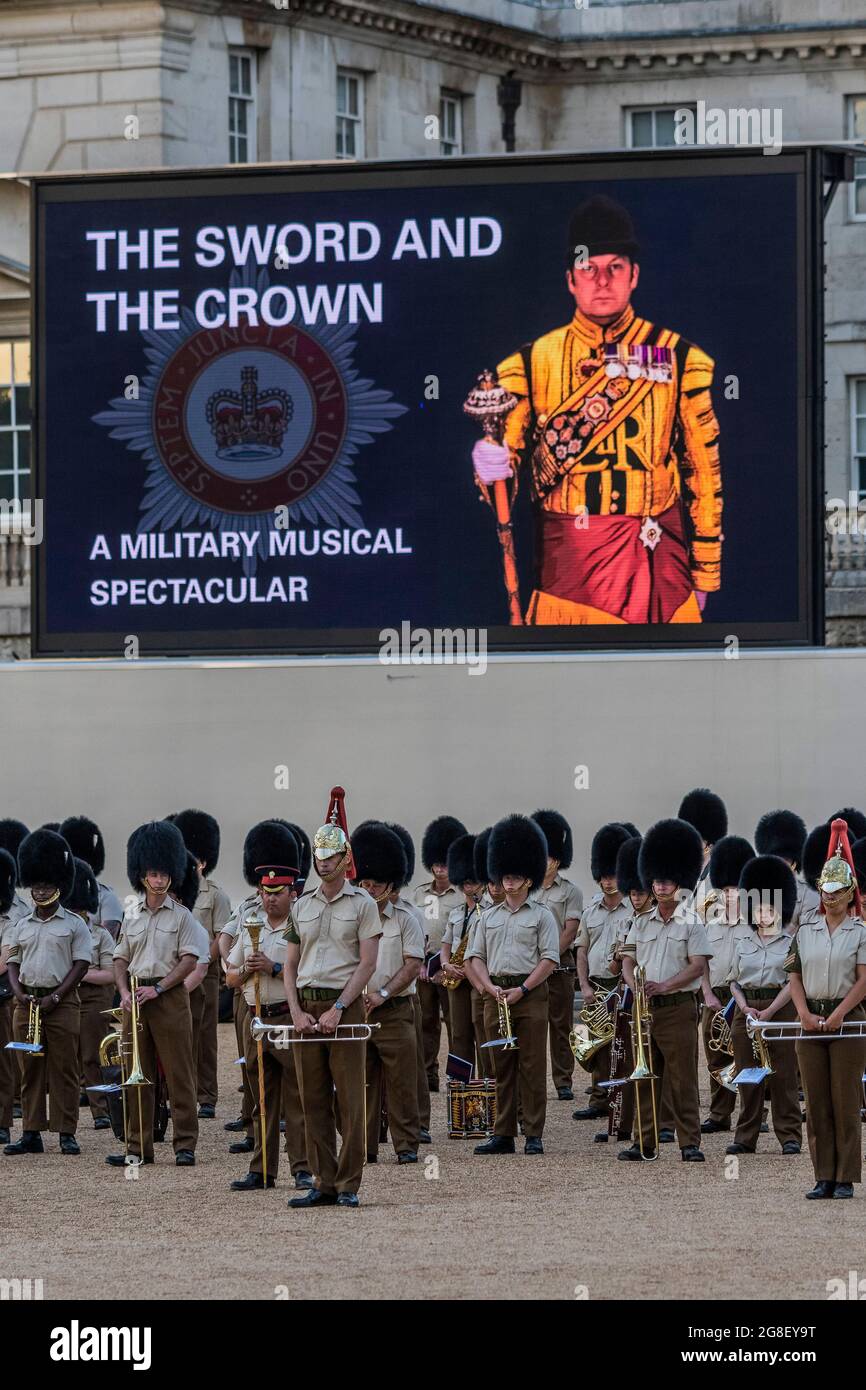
(783, 833)
(514, 948)
(602, 929)
(84, 838)
(565, 901)
(493, 894)
(96, 990)
(333, 941)
(435, 898)
(724, 923)
(670, 943)
(8, 879)
(461, 921)
(12, 832)
(706, 811)
(50, 955)
(159, 945)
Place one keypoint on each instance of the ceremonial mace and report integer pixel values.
(254, 927)
(489, 403)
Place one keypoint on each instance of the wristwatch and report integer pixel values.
(55, 998)
(277, 968)
(384, 993)
(340, 1005)
(158, 989)
(525, 990)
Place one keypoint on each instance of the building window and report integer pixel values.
(857, 131)
(350, 114)
(450, 123)
(652, 128)
(858, 435)
(242, 106)
(14, 421)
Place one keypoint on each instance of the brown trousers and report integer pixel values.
(783, 1086)
(94, 1027)
(831, 1074)
(420, 1069)
(391, 1054)
(722, 1101)
(462, 1028)
(434, 1004)
(58, 1064)
(166, 1030)
(282, 1099)
(525, 1066)
(485, 1054)
(8, 1069)
(206, 1050)
(674, 1056)
(561, 987)
(240, 1014)
(322, 1068)
(599, 1070)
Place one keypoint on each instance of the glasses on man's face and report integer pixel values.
(617, 270)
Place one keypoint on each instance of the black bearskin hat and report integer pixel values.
(440, 833)
(201, 835)
(482, 870)
(379, 855)
(855, 819)
(305, 849)
(187, 889)
(12, 832)
(627, 879)
(461, 862)
(45, 857)
(858, 854)
(782, 833)
(557, 833)
(157, 845)
(727, 858)
(517, 846)
(85, 890)
(51, 825)
(604, 227)
(8, 880)
(765, 876)
(605, 845)
(632, 829)
(815, 854)
(408, 847)
(706, 812)
(671, 851)
(84, 838)
(269, 842)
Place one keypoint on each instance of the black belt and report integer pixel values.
(38, 992)
(763, 993)
(823, 1006)
(508, 981)
(721, 992)
(274, 1010)
(680, 996)
(149, 980)
(319, 996)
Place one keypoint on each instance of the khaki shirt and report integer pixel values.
(231, 925)
(601, 929)
(723, 943)
(102, 955)
(512, 943)
(808, 904)
(45, 951)
(19, 908)
(759, 962)
(152, 943)
(402, 937)
(110, 907)
(461, 919)
(407, 903)
(435, 909)
(827, 964)
(565, 901)
(330, 934)
(273, 944)
(212, 908)
(664, 948)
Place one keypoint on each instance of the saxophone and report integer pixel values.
(457, 957)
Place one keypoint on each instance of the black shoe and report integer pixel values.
(17, 1112)
(407, 1157)
(432, 1083)
(125, 1160)
(623, 1136)
(791, 1146)
(803, 1117)
(564, 1093)
(282, 1126)
(741, 1149)
(347, 1199)
(844, 1189)
(765, 1128)
(184, 1158)
(69, 1144)
(243, 1146)
(425, 1137)
(83, 1102)
(314, 1198)
(207, 1112)
(4, 1136)
(29, 1143)
(253, 1182)
(372, 1158)
(666, 1136)
(591, 1112)
(692, 1154)
(715, 1127)
(634, 1155)
(822, 1189)
(303, 1180)
(602, 1137)
(235, 1126)
(102, 1122)
(499, 1144)
(533, 1146)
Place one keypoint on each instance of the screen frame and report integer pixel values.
(807, 163)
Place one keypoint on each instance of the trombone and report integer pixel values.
(136, 1078)
(282, 1034)
(768, 1030)
(33, 1041)
(641, 1033)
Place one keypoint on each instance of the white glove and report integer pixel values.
(492, 462)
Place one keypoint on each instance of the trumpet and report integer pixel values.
(600, 1025)
(33, 1042)
(282, 1034)
(641, 1030)
(506, 1038)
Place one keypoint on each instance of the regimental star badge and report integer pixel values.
(650, 533)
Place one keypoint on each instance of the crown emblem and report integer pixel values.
(249, 424)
